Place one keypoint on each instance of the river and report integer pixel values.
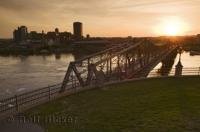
(25, 73)
(188, 62)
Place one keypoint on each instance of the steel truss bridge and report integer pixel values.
(125, 61)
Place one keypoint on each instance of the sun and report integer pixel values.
(171, 26)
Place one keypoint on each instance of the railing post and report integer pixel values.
(75, 83)
(49, 88)
(199, 71)
(179, 69)
(118, 68)
(16, 103)
(110, 65)
(107, 67)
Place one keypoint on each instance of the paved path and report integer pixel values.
(20, 127)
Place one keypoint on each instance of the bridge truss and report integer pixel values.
(125, 61)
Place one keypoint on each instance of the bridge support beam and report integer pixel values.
(123, 62)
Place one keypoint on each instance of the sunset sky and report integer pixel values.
(103, 17)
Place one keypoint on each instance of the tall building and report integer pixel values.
(78, 30)
(20, 34)
(16, 36)
(57, 31)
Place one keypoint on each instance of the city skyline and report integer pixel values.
(22, 35)
(103, 18)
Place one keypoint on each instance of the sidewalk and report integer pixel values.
(20, 127)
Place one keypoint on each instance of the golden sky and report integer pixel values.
(103, 17)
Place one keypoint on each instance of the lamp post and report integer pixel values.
(179, 66)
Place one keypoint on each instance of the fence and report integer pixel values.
(172, 72)
(22, 102)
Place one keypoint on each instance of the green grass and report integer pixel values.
(165, 105)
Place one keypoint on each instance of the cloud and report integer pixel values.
(97, 15)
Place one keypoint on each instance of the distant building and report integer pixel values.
(16, 36)
(20, 34)
(58, 37)
(78, 30)
(51, 38)
(198, 39)
(65, 36)
(33, 35)
(57, 31)
(36, 38)
(88, 36)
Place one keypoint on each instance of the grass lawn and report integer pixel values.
(164, 105)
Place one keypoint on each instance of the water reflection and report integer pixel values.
(58, 56)
(168, 66)
(22, 73)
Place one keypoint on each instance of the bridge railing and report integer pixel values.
(21, 102)
(172, 72)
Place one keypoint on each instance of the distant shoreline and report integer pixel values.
(79, 49)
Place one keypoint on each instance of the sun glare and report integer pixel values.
(171, 27)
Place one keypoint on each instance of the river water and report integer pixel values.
(25, 73)
(188, 62)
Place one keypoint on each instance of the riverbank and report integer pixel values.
(25, 50)
(16, 50)
(170, 104)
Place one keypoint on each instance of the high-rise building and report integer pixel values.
(78, 30)
(20, 34)
(57, 31)
(16, 36)
(23, 33)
